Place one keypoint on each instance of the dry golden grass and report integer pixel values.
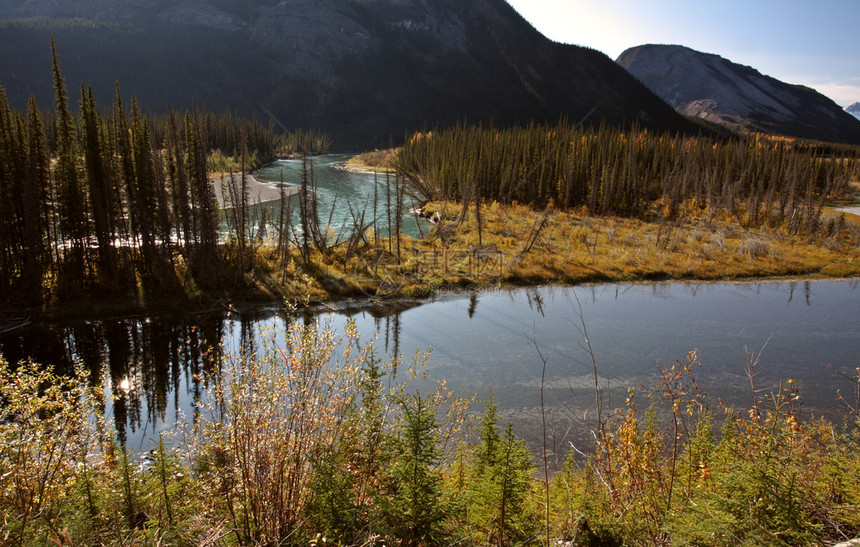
(570, 247)
(382, 161)
(573, 247)
(520, 245)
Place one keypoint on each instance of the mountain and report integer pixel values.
(854, 110)
(363, 68)
(737, 97)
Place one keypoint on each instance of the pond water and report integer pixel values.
(158, 366)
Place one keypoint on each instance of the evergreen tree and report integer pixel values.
(9, 144)
(178, 183)
(100, 188)
(500, 484)
(127, 175)
(36, 192)
(413, 508)
(73, 214)
(205, 214)
(142, 195)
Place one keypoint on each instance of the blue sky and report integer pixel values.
(814, 43)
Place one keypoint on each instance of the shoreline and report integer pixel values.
(849, 210)
(122, 308)
(258, 191)
(513, 246)
(344, 166)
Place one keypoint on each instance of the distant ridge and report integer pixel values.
(854, 110)
(367, 69)
(737, 97)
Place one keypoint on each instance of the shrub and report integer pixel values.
(273, 417)
(44, 434)
(754, 248)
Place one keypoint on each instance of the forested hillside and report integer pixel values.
(361, 70)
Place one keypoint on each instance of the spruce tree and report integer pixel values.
(128, 175)
(500, 484)
(413, 508)
(9, 145)
(73, 215)
(100, 187)
(143, 209)
(205, 213)
(178, 183)
(36, 203)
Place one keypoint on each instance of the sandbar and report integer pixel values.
(258, 191)
(849, 210)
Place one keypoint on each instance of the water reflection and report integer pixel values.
(158, 368)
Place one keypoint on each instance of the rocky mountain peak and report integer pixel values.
(735, 96)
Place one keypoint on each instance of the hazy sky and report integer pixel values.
(814, 43)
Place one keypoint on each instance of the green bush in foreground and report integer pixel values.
(303, 443)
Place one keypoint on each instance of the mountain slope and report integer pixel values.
(854, 110)
(363, 68)
(738, 97)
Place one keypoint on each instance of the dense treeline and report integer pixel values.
(118, 202)
(225, 132)
(626, 173)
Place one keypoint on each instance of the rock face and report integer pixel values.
(737, 97)
(361, 68)
(854, 110)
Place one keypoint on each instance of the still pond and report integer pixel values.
(158, 366)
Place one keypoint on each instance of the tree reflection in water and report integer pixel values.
(157, 368)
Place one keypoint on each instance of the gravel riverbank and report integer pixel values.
(258, 191)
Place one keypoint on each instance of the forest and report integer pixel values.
(120, 203)
(760, 180)
(308, 442)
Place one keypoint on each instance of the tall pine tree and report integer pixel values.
(100, 185)
(37, 213)
(73, 215)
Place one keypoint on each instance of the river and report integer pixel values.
(157, 367)
(342, 193)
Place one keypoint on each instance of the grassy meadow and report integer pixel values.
(554, 246)
(567, 205)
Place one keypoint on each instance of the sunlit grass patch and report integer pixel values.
(571, 246)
